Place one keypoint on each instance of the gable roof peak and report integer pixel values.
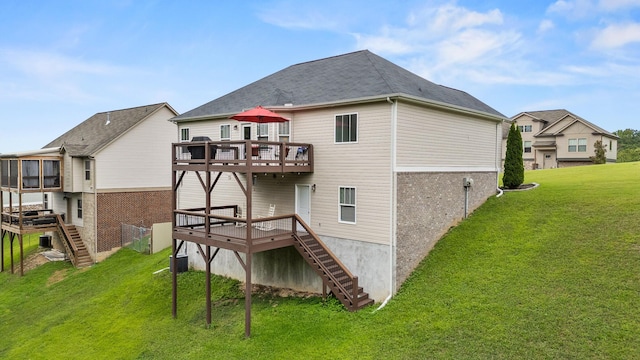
(341, 78)
(102, 128)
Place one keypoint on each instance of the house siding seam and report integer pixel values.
(429, 204)
(142, 208)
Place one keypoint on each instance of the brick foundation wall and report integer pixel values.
(142, 208)
(428, 205)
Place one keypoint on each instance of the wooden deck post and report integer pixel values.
(174, 278)
(208, 285)
(247, 287)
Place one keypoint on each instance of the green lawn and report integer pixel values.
(548, 273)
(30, 244)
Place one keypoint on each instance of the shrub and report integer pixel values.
(513, 163)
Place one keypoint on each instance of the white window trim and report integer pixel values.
(188, 133)
(283, 134)
(225, 139)
(357, 129)
(259, 134)
(355, 205)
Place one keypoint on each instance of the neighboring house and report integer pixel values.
(373, 163)
(559, 138)
(107, 171)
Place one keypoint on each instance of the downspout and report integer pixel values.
(94, 180)
(498, 157)
(392, 245)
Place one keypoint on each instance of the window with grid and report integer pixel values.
(87, 170)
(582, 145)
(283, 131)
(79, 208)
(225, 132)
(263, 132)
(184, 134)
(346, 128)
(347, 205)
(579, 145)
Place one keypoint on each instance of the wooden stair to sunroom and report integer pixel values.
(333, 273)
(82, 256)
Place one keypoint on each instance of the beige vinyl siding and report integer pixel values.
(365, 165)
(140, 158)
(527, 136)
(77, 167)
(430, 138)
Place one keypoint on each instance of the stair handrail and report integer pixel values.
(354, 279)
(69, 245)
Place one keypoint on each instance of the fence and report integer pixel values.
(136, 238)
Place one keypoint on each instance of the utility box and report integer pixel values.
(45, 241)
(183, 263)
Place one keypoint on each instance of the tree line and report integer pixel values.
(628, 145)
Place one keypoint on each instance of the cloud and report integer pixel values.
(614, 5)
(545, 25)
(52, 65)
(572, 8)
(450, 17)
(616, 35)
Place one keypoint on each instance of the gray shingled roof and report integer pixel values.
(96, 132)
(354, 75)
(552, 116)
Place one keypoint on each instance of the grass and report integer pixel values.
(548, 273)
(30, 244)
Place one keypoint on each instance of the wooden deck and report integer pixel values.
(233, 234)
(29, 222)
(243, 156)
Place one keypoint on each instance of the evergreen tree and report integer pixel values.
(600, 157)
(513, 163)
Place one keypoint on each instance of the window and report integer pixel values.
(525, 128)
(263, 132)
(610, 145)
(225, 132)
(579, 145)
(45, 201)
(87, 170)
(348, 205)
(346, 128)
(4, 170)
(51, 173)
(283, 131)
(582, 145)
(79, 208)
(30, 174)
(184, 134)
(13, 173)
(527, 146)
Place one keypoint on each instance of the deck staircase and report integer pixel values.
(333, 273)
(76, 250)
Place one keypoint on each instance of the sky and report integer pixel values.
(63, 61)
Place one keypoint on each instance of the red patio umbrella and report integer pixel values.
(259, 115)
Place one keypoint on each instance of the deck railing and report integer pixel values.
(30, 218)
(285, 156)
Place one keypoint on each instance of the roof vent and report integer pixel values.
(108, 119)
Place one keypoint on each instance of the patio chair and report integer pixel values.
(266, 225)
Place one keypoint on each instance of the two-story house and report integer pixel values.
(559, 138)
(374, 165)
(109, 170)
